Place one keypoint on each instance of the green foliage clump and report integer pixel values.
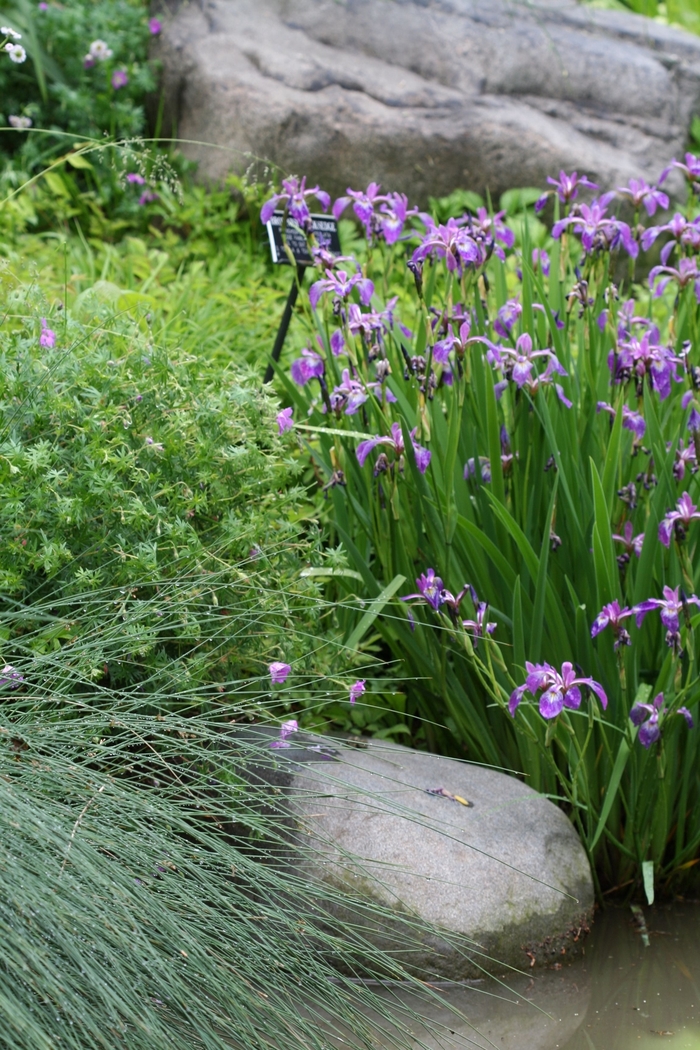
(129, 464)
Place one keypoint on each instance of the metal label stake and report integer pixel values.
(325, 229)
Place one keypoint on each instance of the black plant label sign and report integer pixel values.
(324, 227)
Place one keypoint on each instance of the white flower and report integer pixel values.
(6, 31)
(100, 51)
(22, 123)
(16, 52)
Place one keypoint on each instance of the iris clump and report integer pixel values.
(518, 407)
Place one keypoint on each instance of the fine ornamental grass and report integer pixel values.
(518, 435)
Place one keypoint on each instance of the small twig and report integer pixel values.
(82, 813)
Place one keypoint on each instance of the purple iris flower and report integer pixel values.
(686, 273)
(678, 520)
(363, 204)
(286, 730)
(507, 318)
(284, 420)
(611, 615)
(452, 243)
(684, 233)
(598, 231)
(647, 716)
(633, 421)
(565, 187)
(278, 672)
(396, 442)
(480, 626)
(47, 338)
(119, 79)
(633, 544)
(484, 468)
(309, 366)
(691, 169)
(442, 349)
(341, 284)
(540, 260)
(393, 215)
(147, 197)
(519, 361)
(135, 178)
(10, 676)
(626, 319)
(155, 26)
(685, 458)
(349, 395)
(357, 689)
(492, 228)
(293, 198)
(645, 357)
(430, 589)
(669, 607)
(560, 690)
(640, 192)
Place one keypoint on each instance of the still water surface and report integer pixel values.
(620, 995)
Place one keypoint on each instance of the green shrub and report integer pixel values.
(135, 470)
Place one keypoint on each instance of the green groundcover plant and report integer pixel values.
(520, 440)
(129, 465)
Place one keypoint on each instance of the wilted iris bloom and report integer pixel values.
(293, 197)
(559, 690)
(48, 336)
(678, 520)
(396, 442)
(430, 590)
(611, 615)
(648, 716)
(278, 672)
(286, 730)
(284, 420)
(357, 689)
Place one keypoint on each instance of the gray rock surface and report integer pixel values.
(427, 95)
(502, 881)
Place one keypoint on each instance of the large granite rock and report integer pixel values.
(503, 881)
(427, 95)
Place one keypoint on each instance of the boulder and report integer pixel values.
(425, 96)
(498, 879)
